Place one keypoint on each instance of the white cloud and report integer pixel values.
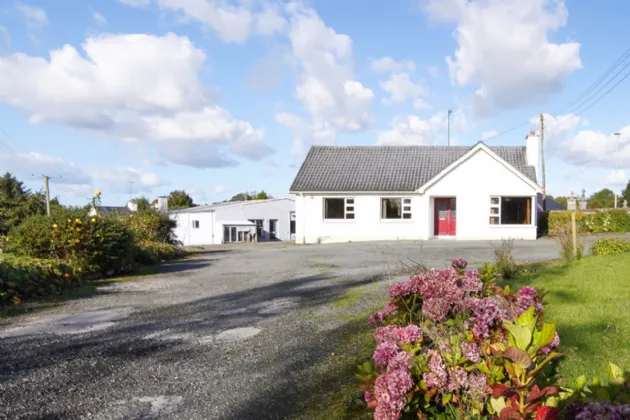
(117, 180)
(132, 88)
(33, 15)
(306, 134)
(389, 65)
(219, 189)
(33, 165)
(99, 18)
(233, 23)
(585, 147)
(401, 88)
(617, 178)
(421, 105)
(412, 131)
(325, 80)
(504, 50)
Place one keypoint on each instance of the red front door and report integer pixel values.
(445, 216)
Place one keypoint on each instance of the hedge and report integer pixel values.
(597, 222)
(610, 246)
(24, 277)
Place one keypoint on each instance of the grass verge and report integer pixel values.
(589, 301)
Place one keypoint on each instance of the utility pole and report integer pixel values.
(448, 118)
(616, 155)
(542, 158)
(46, 179)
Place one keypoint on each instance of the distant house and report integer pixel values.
(551, 204)
(236, 221)
(129, 209)
(368, 193)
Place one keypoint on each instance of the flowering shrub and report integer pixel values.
(451, 344)
(23, 277)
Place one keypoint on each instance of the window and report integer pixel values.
(396, 208)
(292, 227)
(195, 224)
(338, 208)
(510, 211)
(260, 234)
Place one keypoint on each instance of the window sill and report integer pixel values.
(396, 220)
(513, 226)
(339, 220)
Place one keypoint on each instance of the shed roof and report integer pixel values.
(212, 207)
(387, 168)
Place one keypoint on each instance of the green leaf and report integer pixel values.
(521, 335)
(580, 383)
(596, 381)
(614, 372)
(446, 398)
(527, 319)
(518, 356)
(545, 335)
(498, 404)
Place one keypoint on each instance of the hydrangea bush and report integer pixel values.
(452, 344)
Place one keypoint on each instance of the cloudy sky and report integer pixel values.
(221, 96)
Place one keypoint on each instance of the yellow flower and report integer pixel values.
(93, 219)
(78, 229)
(69, 221)
(55, 225)
(76, 241)
(78, 221)
(97, 192)
(69, 241)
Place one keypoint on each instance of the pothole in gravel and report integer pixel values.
(77, 323)
(277, 306)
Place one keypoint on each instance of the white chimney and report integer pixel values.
(132, 205)
(533, 152)
(162, 204)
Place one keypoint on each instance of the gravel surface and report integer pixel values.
(233, 333)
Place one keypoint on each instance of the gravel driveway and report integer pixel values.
(233, 333)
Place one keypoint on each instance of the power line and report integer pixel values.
(588, 91)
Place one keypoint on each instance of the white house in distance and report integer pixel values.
(363, 193)
(236, 221)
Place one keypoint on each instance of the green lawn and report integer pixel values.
(589, 301)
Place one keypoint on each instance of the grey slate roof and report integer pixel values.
(387, 168)
(106, 210)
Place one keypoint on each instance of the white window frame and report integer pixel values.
(498, 206)
(346, 205)
(404, 202)
(195, 224)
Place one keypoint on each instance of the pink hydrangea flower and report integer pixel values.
(457, 379)
(435, 308)
(471, 351)
(437, 376)
(385, 352)
(459, 263)
(478, 386)
(409, 334)
(390, 389)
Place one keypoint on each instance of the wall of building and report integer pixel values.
(472, 184)
(187, 235)
(279, 210)
(211, 221)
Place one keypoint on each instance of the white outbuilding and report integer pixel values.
(236, 221)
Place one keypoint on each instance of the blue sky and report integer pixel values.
(221, 96)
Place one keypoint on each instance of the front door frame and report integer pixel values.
(451, 222)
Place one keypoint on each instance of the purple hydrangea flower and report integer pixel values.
(435, 308)
(437, 376)
(457, 379)
(526, 297)
(391, 388)
(459, 263)
(478, 386)
(485, 314)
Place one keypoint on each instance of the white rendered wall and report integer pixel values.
(472, 183)
(185, 233)
(279, 210)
